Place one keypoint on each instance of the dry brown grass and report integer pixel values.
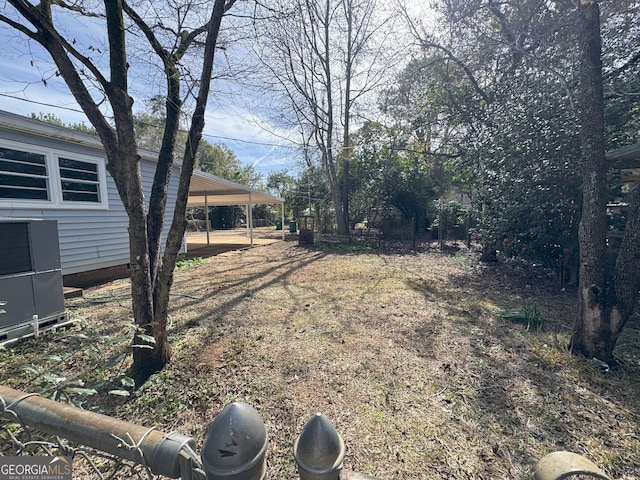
(403, 352)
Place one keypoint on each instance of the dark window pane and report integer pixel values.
(79, 187)
(26, 194)
(77, 165)
(17, 167)
(79, 181)
(23, 175)
(19, 181)
(78, 175)
(80, 197)
(26, 157)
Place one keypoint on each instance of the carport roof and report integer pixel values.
(219, 191)
(625, 157)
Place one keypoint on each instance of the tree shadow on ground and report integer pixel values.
(277, 272)
(522, 387)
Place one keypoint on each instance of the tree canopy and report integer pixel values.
(524, 112)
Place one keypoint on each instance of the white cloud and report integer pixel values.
(254, 140)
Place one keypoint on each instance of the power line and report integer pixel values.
(220, 137)
(40, 103)
(244, 141)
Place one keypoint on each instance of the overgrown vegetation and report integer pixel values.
(97, 363)
(527, 314)
(189, 262)
(454, 123)
(403, 351)
(345, 246)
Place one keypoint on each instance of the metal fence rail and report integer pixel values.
(235, 447)
(103, 447)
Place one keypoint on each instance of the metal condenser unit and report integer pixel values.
(31, 290)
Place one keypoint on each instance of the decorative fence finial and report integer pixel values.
(319, 450)
(236, 445)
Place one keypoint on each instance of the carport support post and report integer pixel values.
(206, 216)
(282, 216)
(250, 219)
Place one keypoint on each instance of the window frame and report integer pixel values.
(54, 179)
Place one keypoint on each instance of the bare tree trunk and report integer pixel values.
(346, 140)
(330, 164)
(593, 333)
(309, 42)
(150, 361)
(151, 274)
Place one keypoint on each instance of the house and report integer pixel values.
(53, 173)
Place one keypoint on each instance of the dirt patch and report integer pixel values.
(213, 357)
(404, 352)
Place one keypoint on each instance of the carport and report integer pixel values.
(208, 191)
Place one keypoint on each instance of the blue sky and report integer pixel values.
(253, 139)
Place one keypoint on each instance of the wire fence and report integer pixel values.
(17, 439)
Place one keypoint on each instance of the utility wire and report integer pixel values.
(220, 137)
(40, 103)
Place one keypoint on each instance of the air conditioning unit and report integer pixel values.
(31, 290)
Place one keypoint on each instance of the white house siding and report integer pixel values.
(89, 239)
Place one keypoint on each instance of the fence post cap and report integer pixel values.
(319, 450)
(236, 444)
(562, 464)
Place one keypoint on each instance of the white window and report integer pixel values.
(79, 181)
(31, 177)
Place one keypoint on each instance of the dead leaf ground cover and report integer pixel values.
(404, 352)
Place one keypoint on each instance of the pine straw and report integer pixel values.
(403, 352)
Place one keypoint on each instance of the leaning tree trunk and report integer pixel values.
(150, 360)
(592, 334)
